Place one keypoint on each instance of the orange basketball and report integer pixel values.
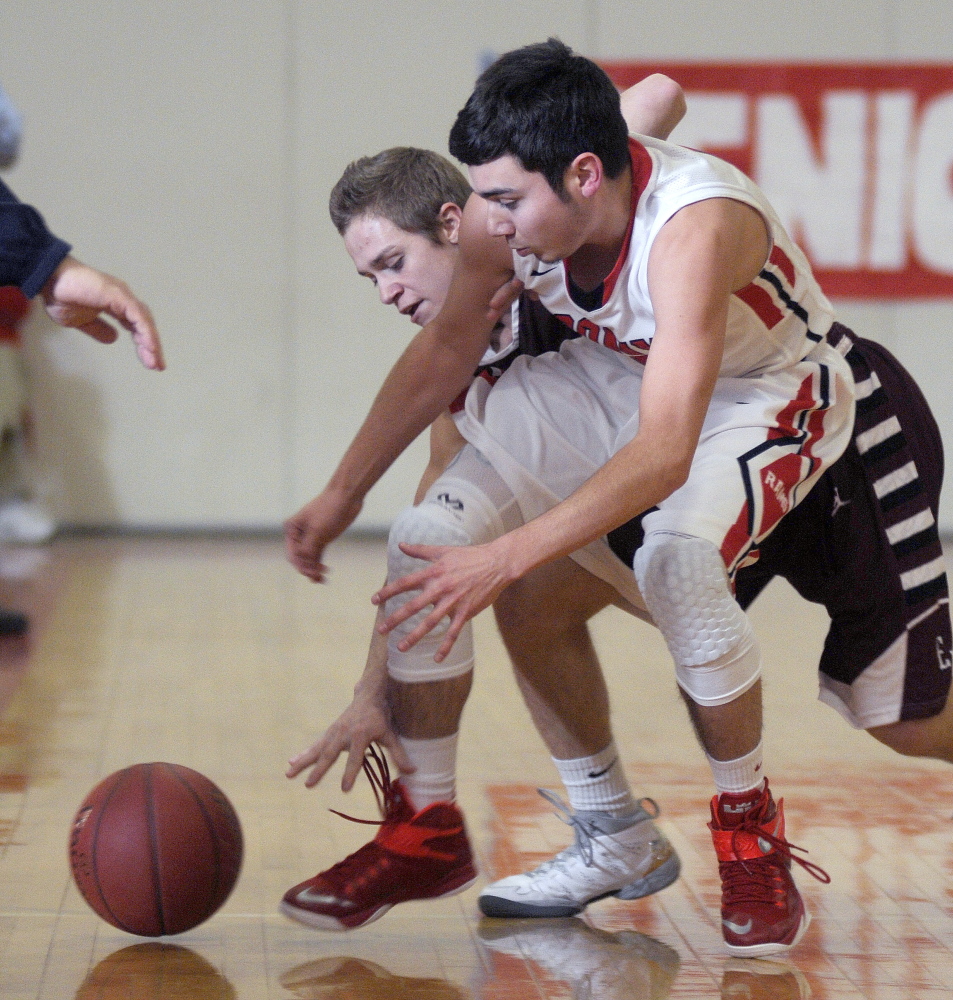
(155, 849)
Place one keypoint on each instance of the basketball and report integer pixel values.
(155, 849)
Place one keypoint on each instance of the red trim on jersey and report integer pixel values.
(780, 478)
(736, 540)
(761, 303)
(641, 174)
(784, 264)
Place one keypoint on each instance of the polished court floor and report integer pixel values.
(213, 654)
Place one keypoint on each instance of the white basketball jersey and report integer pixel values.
(772, 323)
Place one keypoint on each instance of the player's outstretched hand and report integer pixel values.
(80, 296)
(365, 721)
(459, 582)
(314, 527)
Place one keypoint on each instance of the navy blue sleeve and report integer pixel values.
(29, 252)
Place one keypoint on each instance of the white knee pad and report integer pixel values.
(454, 512)
(685, 586)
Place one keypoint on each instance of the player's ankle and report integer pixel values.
(434, 779)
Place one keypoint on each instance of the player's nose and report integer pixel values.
(389, 291)
(498, 223)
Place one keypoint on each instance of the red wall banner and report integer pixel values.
(857, 159)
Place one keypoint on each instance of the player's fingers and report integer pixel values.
(302, 760)
(429, 552)
(401, 614)
(453, 633)
(412, 581)
(135, 317)
(424, 627)
(355, 760)
(504, 297)
(323, 760)
(100, 330)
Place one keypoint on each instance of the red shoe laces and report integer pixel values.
(752, 825)
(376, 768)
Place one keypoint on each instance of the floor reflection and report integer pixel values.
(155, 971)
(762, 979)
(595, 964)
(358, 979)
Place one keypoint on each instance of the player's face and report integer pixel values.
(410, 271)
(523, 208)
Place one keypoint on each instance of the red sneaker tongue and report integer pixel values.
(732, 807)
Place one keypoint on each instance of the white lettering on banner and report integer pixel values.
(893, 125)
(857, 160)
(933, 186)
(819, 195)
(714, 121)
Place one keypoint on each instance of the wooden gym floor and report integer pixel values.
(216, 655)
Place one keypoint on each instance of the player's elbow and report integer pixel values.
(673, 475)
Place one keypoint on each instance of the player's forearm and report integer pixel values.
(373, 681)
(637, 478)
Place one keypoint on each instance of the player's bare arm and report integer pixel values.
(654, 106)
(436, 366)
(701, 256)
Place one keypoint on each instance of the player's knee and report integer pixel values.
(429, 523)
(685, 586)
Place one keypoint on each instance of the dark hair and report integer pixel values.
(544, 105)
(404, 185)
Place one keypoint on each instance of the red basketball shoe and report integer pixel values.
(421, 855)
(761, 910)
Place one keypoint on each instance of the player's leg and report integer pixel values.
(887, 659)
(543, 621)
(422, 850)
(931, 737)
(718, 666)
(753, 463)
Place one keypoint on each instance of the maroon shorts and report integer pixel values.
(864, 543)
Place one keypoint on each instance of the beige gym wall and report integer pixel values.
(190, 148)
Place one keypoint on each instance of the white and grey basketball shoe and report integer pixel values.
(627, 858)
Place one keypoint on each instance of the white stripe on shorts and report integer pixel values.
(877, 434)
(911, 526)
(905, 474)
(923, 574)
(867, 387)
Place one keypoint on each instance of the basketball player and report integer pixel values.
(399, 213)
(697, 267)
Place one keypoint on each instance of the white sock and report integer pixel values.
(741, 775)
(597, 783)
(435, 779)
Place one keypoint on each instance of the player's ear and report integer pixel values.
(585, 175)
(450, 215)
